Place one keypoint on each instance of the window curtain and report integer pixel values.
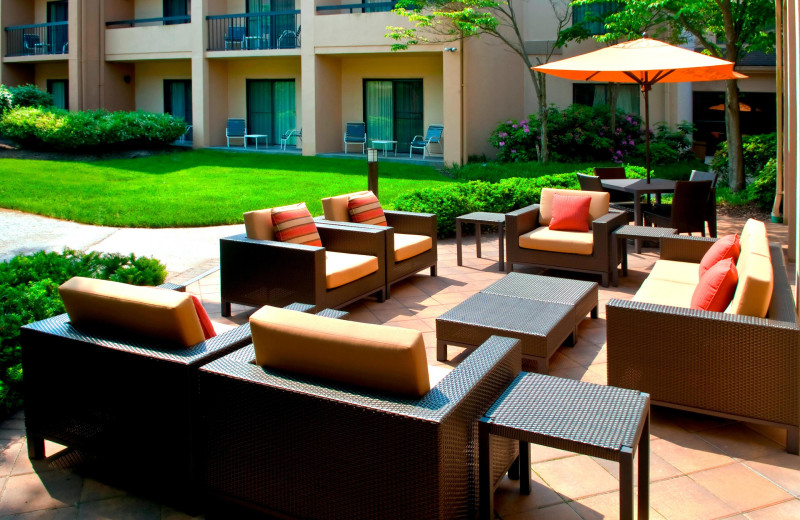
(380, 111)
(285, 116)
(258, 27)
(628, 99)
(259, 108)
(600, 95)
(58, 89)
(408, 108)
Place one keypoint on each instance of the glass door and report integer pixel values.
(285, 29)
(393, 111)
(407, 112)
(178, 100)
(176, 8)
(58, 36)
(271, 107)
(59, 89)
(258, 27)
(379, 111)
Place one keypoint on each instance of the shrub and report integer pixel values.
(30, 96)
(762, 189)
(668, 146)
(92, 130)
(757, 149)
(6, 99)
(29, 292)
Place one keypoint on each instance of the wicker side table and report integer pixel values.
(601, 421)
(478, 218)
(619, 242)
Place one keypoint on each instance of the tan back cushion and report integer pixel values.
(597, 208)
(258, 224)
(756, 279)
(145, 311)
(335, 208)
(389, 359)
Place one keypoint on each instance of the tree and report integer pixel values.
(743, 26)
(450, 20)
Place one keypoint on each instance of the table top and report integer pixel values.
(382, 141)
(484, 216)
(640, 186)
(543, 288)
(581, 415)
(643, 232)
(256, 135)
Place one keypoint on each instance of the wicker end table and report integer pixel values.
(600, 421)
(541, 311)
(482, 218)
(620, 238)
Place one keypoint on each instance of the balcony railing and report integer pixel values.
(40, 38)
(374, 7)
(254, 31)
(144, 22)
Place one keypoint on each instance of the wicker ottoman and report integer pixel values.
(541, 311)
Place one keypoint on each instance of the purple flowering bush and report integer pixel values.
(516, 141)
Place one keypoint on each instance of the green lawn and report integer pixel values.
(192, 188)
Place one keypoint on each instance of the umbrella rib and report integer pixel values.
(593, 75)
(661, 75)
(632, 76)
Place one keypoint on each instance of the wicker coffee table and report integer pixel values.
(541, 311)
(620, 238)
(600, 421)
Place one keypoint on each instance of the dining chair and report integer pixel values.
(594, 183)
(687, 213)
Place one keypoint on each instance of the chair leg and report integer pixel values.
(35, 447)
(793, 440)
(604, 279)
(226, 309)
(433, 270)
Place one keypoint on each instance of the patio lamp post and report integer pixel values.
(372, 172)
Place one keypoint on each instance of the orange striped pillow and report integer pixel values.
(294, 224)
(365, 209)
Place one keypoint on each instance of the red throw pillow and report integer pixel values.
(366, 209)
(725, 247)
(294, 224)
(570, 213)
(205, 321)
(715, 290)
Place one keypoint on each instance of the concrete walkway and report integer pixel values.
(185, 251)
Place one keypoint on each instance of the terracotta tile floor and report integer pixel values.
(701, 467)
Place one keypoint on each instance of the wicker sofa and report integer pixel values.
(126, 401)
(716, 363)
(267, 272)
(299, 447)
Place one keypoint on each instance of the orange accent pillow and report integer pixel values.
(294, 224)
(366, 209)
(726, 247)
(205, 321)
(715, 290)
(570, 213)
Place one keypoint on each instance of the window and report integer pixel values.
(57, 36)
(176, 8)
(393, 110)
(271, 32)
(593, 15)
(59, 89)
(271, 107)
(597, 94)
(178, 100)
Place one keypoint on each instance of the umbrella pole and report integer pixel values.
(646, 90)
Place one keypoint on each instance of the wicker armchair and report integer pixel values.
(265, 272)
(128, 402)
(404, 222)
(526, 219)
(302, 448)
(713, 363)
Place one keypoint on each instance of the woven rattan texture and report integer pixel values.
(542, 288)
(570, 415)
(541, 326)
(309, 449)
(483, 217)
(643, 232)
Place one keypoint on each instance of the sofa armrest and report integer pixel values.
(601, 232)
(354, 239)
(412, 223)
(680, 248)
(522, 221)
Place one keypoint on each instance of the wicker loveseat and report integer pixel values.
(301, 447)
(716, 363)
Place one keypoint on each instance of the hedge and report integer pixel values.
(92, 130)
(29, 292)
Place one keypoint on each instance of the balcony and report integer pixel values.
(37, 39)
(373, 7)
(167, 37)
(254, 31)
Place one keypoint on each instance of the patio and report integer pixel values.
(701, 467)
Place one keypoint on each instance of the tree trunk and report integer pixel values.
(733, 131)
(544, 156)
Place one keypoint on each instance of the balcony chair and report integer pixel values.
(234, 38)
(297, 134)
(236, 129)
(116, 378)
(433, 135)
(593, 183)
(256, 269)
(529, 239)
(355, 133)
(359, 447)
(288, 39)
(688, 211)
(411, 244)
(30, 43)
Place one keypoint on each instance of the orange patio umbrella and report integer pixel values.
(646, 62)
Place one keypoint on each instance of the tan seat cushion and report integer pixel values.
(145, 311)
(335, 208)
(672, 271)
(663, 292)
(389, 359)
(546, 239)
(407, 246)
(597, 208)
(258, 224)
(343, 268)
(754, 290)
